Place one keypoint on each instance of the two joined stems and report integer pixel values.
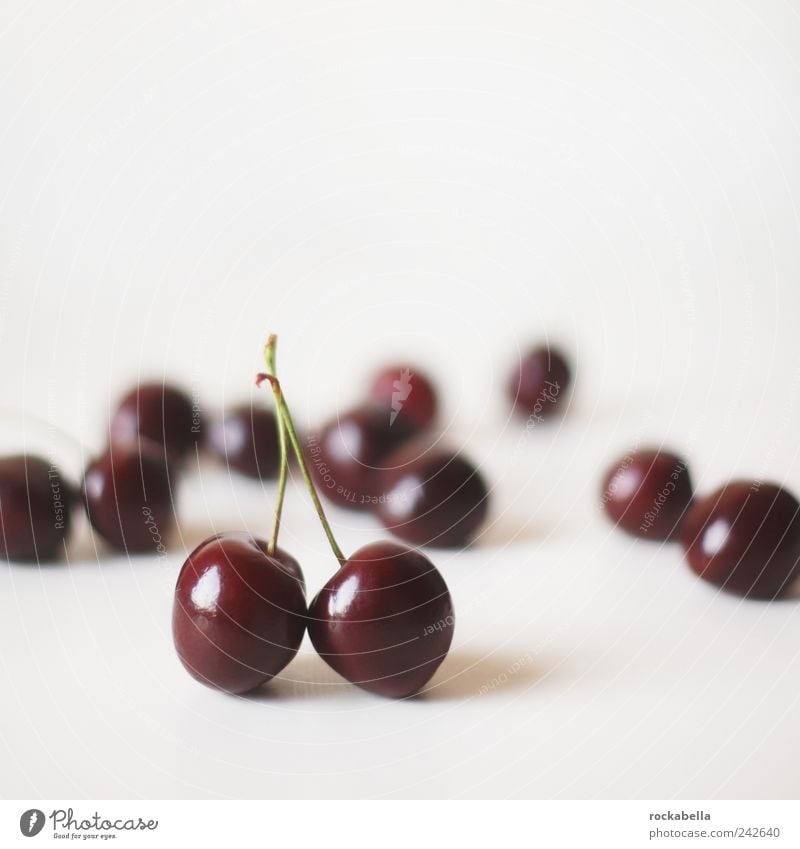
(286, 429)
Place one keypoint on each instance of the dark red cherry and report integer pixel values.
(538, 385)
(647, 493)
(745, 538)
(291, 567)
(347, 452)
(245, 437)
(35, 509)
(384, 621)
(160, 412)
(239, 615)
(408, 396)
(431, 496)
(129, 496)
(285, 560)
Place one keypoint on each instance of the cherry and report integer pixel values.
(285, 560)
(648, 492)
(246, 439)
(408, 396)
(385, 620)
(745, 538)
(160, 412)
(431, 497)
(239, 613)
(129, 496)
(35, 509)
(346, 453)
(538, 385)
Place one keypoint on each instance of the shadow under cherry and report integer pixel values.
(463, 675)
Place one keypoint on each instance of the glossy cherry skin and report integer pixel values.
(648, 493)
(35, 509)
(745, 538)
(285, 560)
(539, 382)
(348, 451)
(408, 395)
(129, 496)
(239, 615)
(160, 412)
(431, 497)
(385, 620)
(246, 439)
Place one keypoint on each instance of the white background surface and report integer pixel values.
(448, 181)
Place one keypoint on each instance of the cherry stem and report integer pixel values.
(283, 468)
(291, 432)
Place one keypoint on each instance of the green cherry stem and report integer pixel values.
(291, 432)
(283, 454)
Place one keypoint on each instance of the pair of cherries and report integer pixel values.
(384, 620)
(127, 490)
(744, 537)
(380, 456)
(243, 437)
